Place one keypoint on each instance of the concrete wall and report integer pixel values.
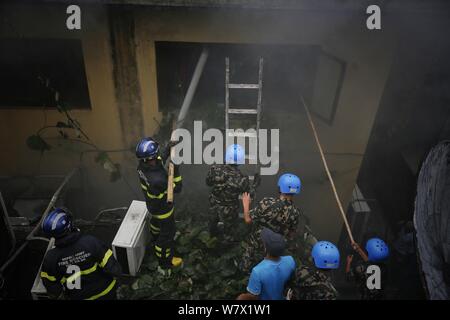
(105, 123)
(343, 34)
(414, 116)
(49, 22)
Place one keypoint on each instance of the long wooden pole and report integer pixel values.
(355, 246)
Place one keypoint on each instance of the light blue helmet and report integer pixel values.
(377, 250)
(325, 255)
(289, 183)
(235, 154)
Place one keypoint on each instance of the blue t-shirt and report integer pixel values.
(268, 278)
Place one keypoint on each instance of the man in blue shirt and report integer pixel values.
(269, 277)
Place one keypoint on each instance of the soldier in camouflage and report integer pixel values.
(377, 252)
(227, 183)
(278, 214)
(310, 284)
(314, 283)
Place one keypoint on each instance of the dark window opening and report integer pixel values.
(28, 65)
(328, 82)
(288, 71)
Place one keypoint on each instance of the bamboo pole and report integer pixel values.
(354, 245)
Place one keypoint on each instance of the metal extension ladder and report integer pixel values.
(253, 137)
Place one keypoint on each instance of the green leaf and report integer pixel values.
(196, 255)
(115, 175)
(61, 124)
(227, 272)
(195, 231)
(101, 158)
(182, 249)
(204, 237)
(36, 142)
(135, 285)
(212, 242)
(183, 240)
(189, 270)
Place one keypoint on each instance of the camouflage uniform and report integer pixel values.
(310, 283)
(281, 216)
(227, 183)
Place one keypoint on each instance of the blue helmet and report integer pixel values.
(377, 249)
(57, 223)
(147, 148)
(234, 154)
(289, 183)
(325, 255)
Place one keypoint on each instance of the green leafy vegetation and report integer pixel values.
(209, 270)
(35, 142)
(69, 142)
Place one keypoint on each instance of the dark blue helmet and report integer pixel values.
(325, 255)
(289, 183)
(147, 148)
(57, 223)
(377, 250)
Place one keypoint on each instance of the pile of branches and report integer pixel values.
(209, 270)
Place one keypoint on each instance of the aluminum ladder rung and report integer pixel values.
(243, 86)
(243, 134)
(242, 111)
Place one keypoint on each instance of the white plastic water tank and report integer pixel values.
(131, 238)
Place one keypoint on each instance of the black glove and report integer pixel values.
(172, 144)
(256, 180)
(165, 152)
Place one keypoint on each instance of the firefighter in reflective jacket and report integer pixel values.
(153, 177)
(80, 267)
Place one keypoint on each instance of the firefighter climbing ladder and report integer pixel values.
(234, 110)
